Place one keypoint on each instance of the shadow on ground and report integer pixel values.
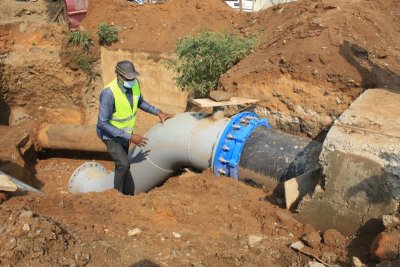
(360, 245)
(4, 107)
(373, 75)
(26, 174)
(145, 263)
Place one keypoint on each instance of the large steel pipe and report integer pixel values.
(270, 157)
(198, 140)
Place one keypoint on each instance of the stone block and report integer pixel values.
(361, 165)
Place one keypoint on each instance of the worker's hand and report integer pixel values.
(139, 140)
(165, 116)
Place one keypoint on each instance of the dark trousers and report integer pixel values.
(119, 154)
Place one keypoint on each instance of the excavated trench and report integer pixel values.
(160, 90)
(37, 86)
(4, 111)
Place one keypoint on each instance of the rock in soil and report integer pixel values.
(176, 235)
(219, 95)
(386, 245)
(134, 232)
(357, 263)
(334, 238)
(253, 240)
(312, 239)
(390, 220)
(25, 216)
(329, 257)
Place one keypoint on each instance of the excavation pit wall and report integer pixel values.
(34, 79)
(21, 72)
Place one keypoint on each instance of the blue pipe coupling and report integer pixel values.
(232, 140)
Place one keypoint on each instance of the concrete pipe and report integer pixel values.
(194, 140)
(69, 137)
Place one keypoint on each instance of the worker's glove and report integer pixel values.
(139, 140)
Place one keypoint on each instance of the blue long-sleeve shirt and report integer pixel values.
(107, 107)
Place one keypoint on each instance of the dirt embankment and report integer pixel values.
(316, 58)
(16, 11)
(158, 27)
(33, 76)
(35, 70)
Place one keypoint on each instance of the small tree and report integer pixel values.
(205, 57)
(107, 33)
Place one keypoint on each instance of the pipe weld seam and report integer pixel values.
(155, 165)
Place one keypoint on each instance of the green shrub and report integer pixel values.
(84, 61)
(205, 57)
(107, 34)
(79, 37)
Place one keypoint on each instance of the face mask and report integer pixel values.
(129, 84)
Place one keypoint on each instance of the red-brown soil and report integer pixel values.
(314, 59)
(157, 27)
(192, 219)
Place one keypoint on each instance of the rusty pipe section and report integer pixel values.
(69, 137)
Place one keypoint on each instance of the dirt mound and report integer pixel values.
(157, 27)
(27, 237)
(197, 219)
(316, 59)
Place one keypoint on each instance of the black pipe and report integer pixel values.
(270, 157)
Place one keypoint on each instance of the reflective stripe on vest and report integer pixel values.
(124, 117)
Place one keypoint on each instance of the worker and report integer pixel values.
(119, 102)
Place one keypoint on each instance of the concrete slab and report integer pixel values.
(361, 164)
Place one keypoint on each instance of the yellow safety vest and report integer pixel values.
(124, 117)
